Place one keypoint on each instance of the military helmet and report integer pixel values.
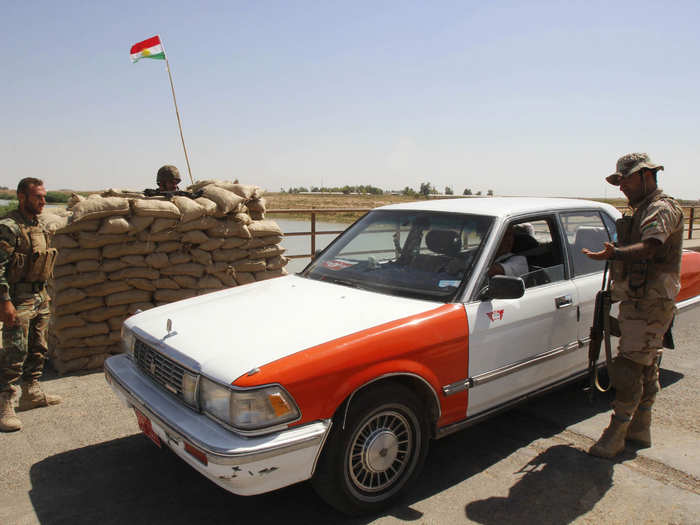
(167, 173)
(629, 165)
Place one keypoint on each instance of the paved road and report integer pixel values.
(85, 462)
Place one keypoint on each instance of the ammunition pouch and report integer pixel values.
(41, 266)
(624, 230)
(16, 267)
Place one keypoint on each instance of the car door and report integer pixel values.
(519, 345)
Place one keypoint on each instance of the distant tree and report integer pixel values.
(478, 192)
(409, 192)
(426, 189)
(448, 191)
(489, 193)
(282, 190)
(467, 191)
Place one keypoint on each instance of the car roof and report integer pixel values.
(501, 206)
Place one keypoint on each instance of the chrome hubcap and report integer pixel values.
(380, 451)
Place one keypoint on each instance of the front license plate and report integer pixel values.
(146, 428)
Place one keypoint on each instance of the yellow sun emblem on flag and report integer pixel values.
(145, 53)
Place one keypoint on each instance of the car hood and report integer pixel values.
(225, 334)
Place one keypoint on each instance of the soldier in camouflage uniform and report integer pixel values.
(645, 273)
(168, 178)
(26, 263)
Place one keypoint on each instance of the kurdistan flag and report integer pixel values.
(150, 48)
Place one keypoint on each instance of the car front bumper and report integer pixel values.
(242, 465)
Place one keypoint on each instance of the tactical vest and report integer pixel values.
(640, 275)
(33, 260)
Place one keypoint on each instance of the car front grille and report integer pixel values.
(166, 372)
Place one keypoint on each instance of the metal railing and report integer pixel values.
(688, 214)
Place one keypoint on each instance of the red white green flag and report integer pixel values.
(150, 48)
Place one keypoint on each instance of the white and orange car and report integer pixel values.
(394, 335)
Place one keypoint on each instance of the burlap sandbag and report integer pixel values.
(264, 228)
(114, 226)
(244, 278)
(202, 223)
(92, 362)
(211, 245)
(229, 255)
(128, 297)
(106, 288)
(226, 278)
(277, 262)
(143, 306)
(142, 284)
(194, 237)
(98, 240)
(62, 241)
(102, 314)
(70, 255)
(249, 265)
(201, 256)
(87, 266)
(139, 224)
(168, 247)
(137, 272)
(84, 226)
(179, 258)
(155, 208)
(229, 228)
(168, 235)
(166, 283)
(266, 251)
(193, 269)
(242, 190)
(73, 200)
(233, 242)
(242, 217)
(169, 296)
(259, 242)
(208, 205)
(89, 303)
(97, 208)
(69, 296)
(209, 282)
(158, 260)
(66, 321)
(115, 323)
(112, 265)
(63, 270)
(270, 274)
(226, 201)
(53, 222)
(161, 225)
(185, 281)
(76, 352)
(258, 205)
(257, 215)
(201, 184)
(83, 331)
(134, 260)
(189, 209)
(80, 280)
(116, 251)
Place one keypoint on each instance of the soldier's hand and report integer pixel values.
(606, 253)
(8, 314)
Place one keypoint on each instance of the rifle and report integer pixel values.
(174, 193)
(603, 327)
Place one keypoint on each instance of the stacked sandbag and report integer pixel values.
(120, 252)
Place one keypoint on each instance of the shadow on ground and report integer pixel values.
(130, 481)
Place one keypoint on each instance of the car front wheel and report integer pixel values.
(366, 465)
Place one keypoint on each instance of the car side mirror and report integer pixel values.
(503, 287)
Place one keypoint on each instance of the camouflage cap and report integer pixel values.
(167, 172)
(629, 165)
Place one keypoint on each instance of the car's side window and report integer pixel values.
(584, 229)
(537, 241)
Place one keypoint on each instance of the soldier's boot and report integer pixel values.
(33, 396)
(639, 430)
(612, 441)
(8, 419)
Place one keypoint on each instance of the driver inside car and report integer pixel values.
(506, 262)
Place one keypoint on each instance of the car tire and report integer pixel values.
(369, 462)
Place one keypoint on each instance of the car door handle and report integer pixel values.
(563, 301)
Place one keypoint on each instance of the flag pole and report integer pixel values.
(179, 123)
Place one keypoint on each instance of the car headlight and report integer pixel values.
(128, 340)
(248, 409)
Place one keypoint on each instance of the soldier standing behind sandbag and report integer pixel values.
(646, 279)
(168, 178)
(26, 263)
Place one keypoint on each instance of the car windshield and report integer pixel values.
(425, 255)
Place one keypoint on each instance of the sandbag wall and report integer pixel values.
(120, 252)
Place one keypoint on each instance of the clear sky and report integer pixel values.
(524, 98)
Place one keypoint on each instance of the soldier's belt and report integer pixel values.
(22, 287)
